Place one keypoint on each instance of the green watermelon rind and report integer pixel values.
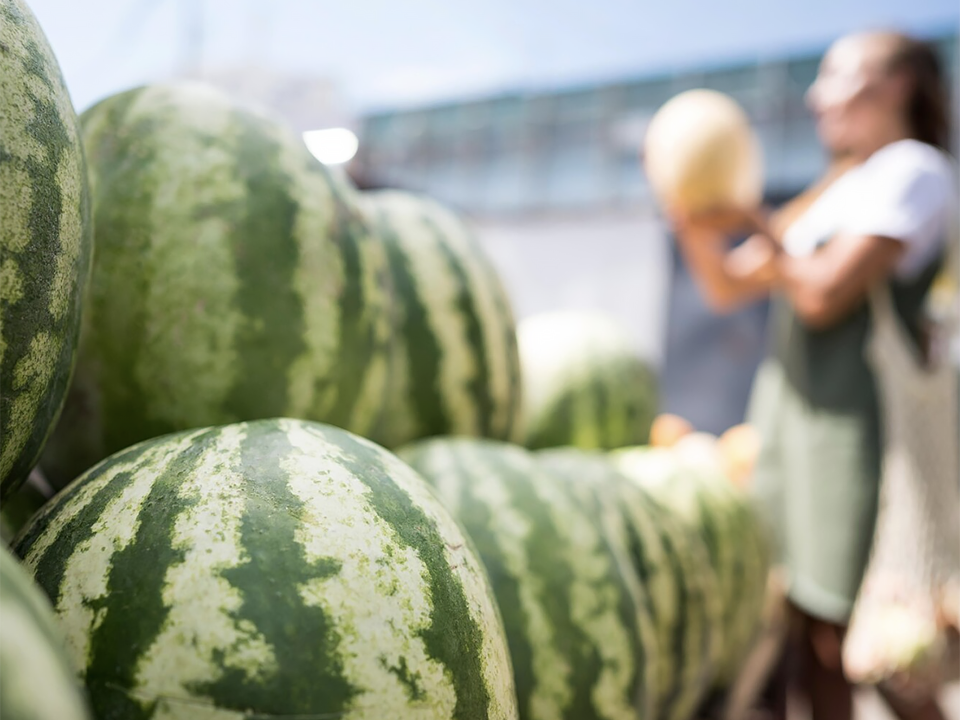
(235, 279)
(46, 242)
(271, 568)
(584, 384)
(590, 480)
(733, 534)
(574, 630)
(681, 587)
(455, 368)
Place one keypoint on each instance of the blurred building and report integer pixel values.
(553, 183)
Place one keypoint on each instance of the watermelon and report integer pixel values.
(691, 482)
(455, 368)
(45, 241)
(37, 681)
(672, 566)
(584, 385)
(581, 644)
(233, 280)
(270, 568)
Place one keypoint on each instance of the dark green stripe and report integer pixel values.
(666, 531)
(122, 152)
(135, 610)
(479, 384)
(691, 569)
(50, 566)
(620, 394)
(643, 412)
(628, 615)
(587, 480)
(547, 547)
(641, 562)
(565, 422)
(408, 678)
(309, 675)
(514, 407)
(78, 441)
(554, 425)
(603, 414)
(102, 127)
(635, 408)
(733, 581)
(419, 342)
(453, 639)
(37, 265)
(707, 524)
(680, 629)
(753, 566)
(477, 518)
(266, 258)
(628, 428)
(507, 325)
(360, 316)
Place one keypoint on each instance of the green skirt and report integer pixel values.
(817, 482)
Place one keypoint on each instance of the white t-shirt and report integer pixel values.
(905, 191)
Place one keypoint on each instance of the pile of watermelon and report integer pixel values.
(208, 395)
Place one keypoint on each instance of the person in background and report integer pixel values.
(880, 216)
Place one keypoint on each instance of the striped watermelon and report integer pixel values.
(36, 679)
(584, 385)
(233, 281)
(673, 568)
(45, 241)
(277, 568)
(455, 366)
(577, 631)
(694, 487)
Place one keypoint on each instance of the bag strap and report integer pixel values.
(886, 321)
(951, 270)
(889, 335)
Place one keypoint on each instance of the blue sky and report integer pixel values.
(417, 51)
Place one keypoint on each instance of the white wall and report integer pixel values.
(614, 263)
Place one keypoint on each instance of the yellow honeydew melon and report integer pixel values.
(701, 154)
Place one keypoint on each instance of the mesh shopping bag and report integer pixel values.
(896, 635)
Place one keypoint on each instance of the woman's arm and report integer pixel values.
(728, 278)
(823, 287)
(828, 285)
(901, 203)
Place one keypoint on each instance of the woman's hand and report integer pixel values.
(754, 260)
(728, 278)
(723, 221)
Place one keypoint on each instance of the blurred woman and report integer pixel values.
(880, 216)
